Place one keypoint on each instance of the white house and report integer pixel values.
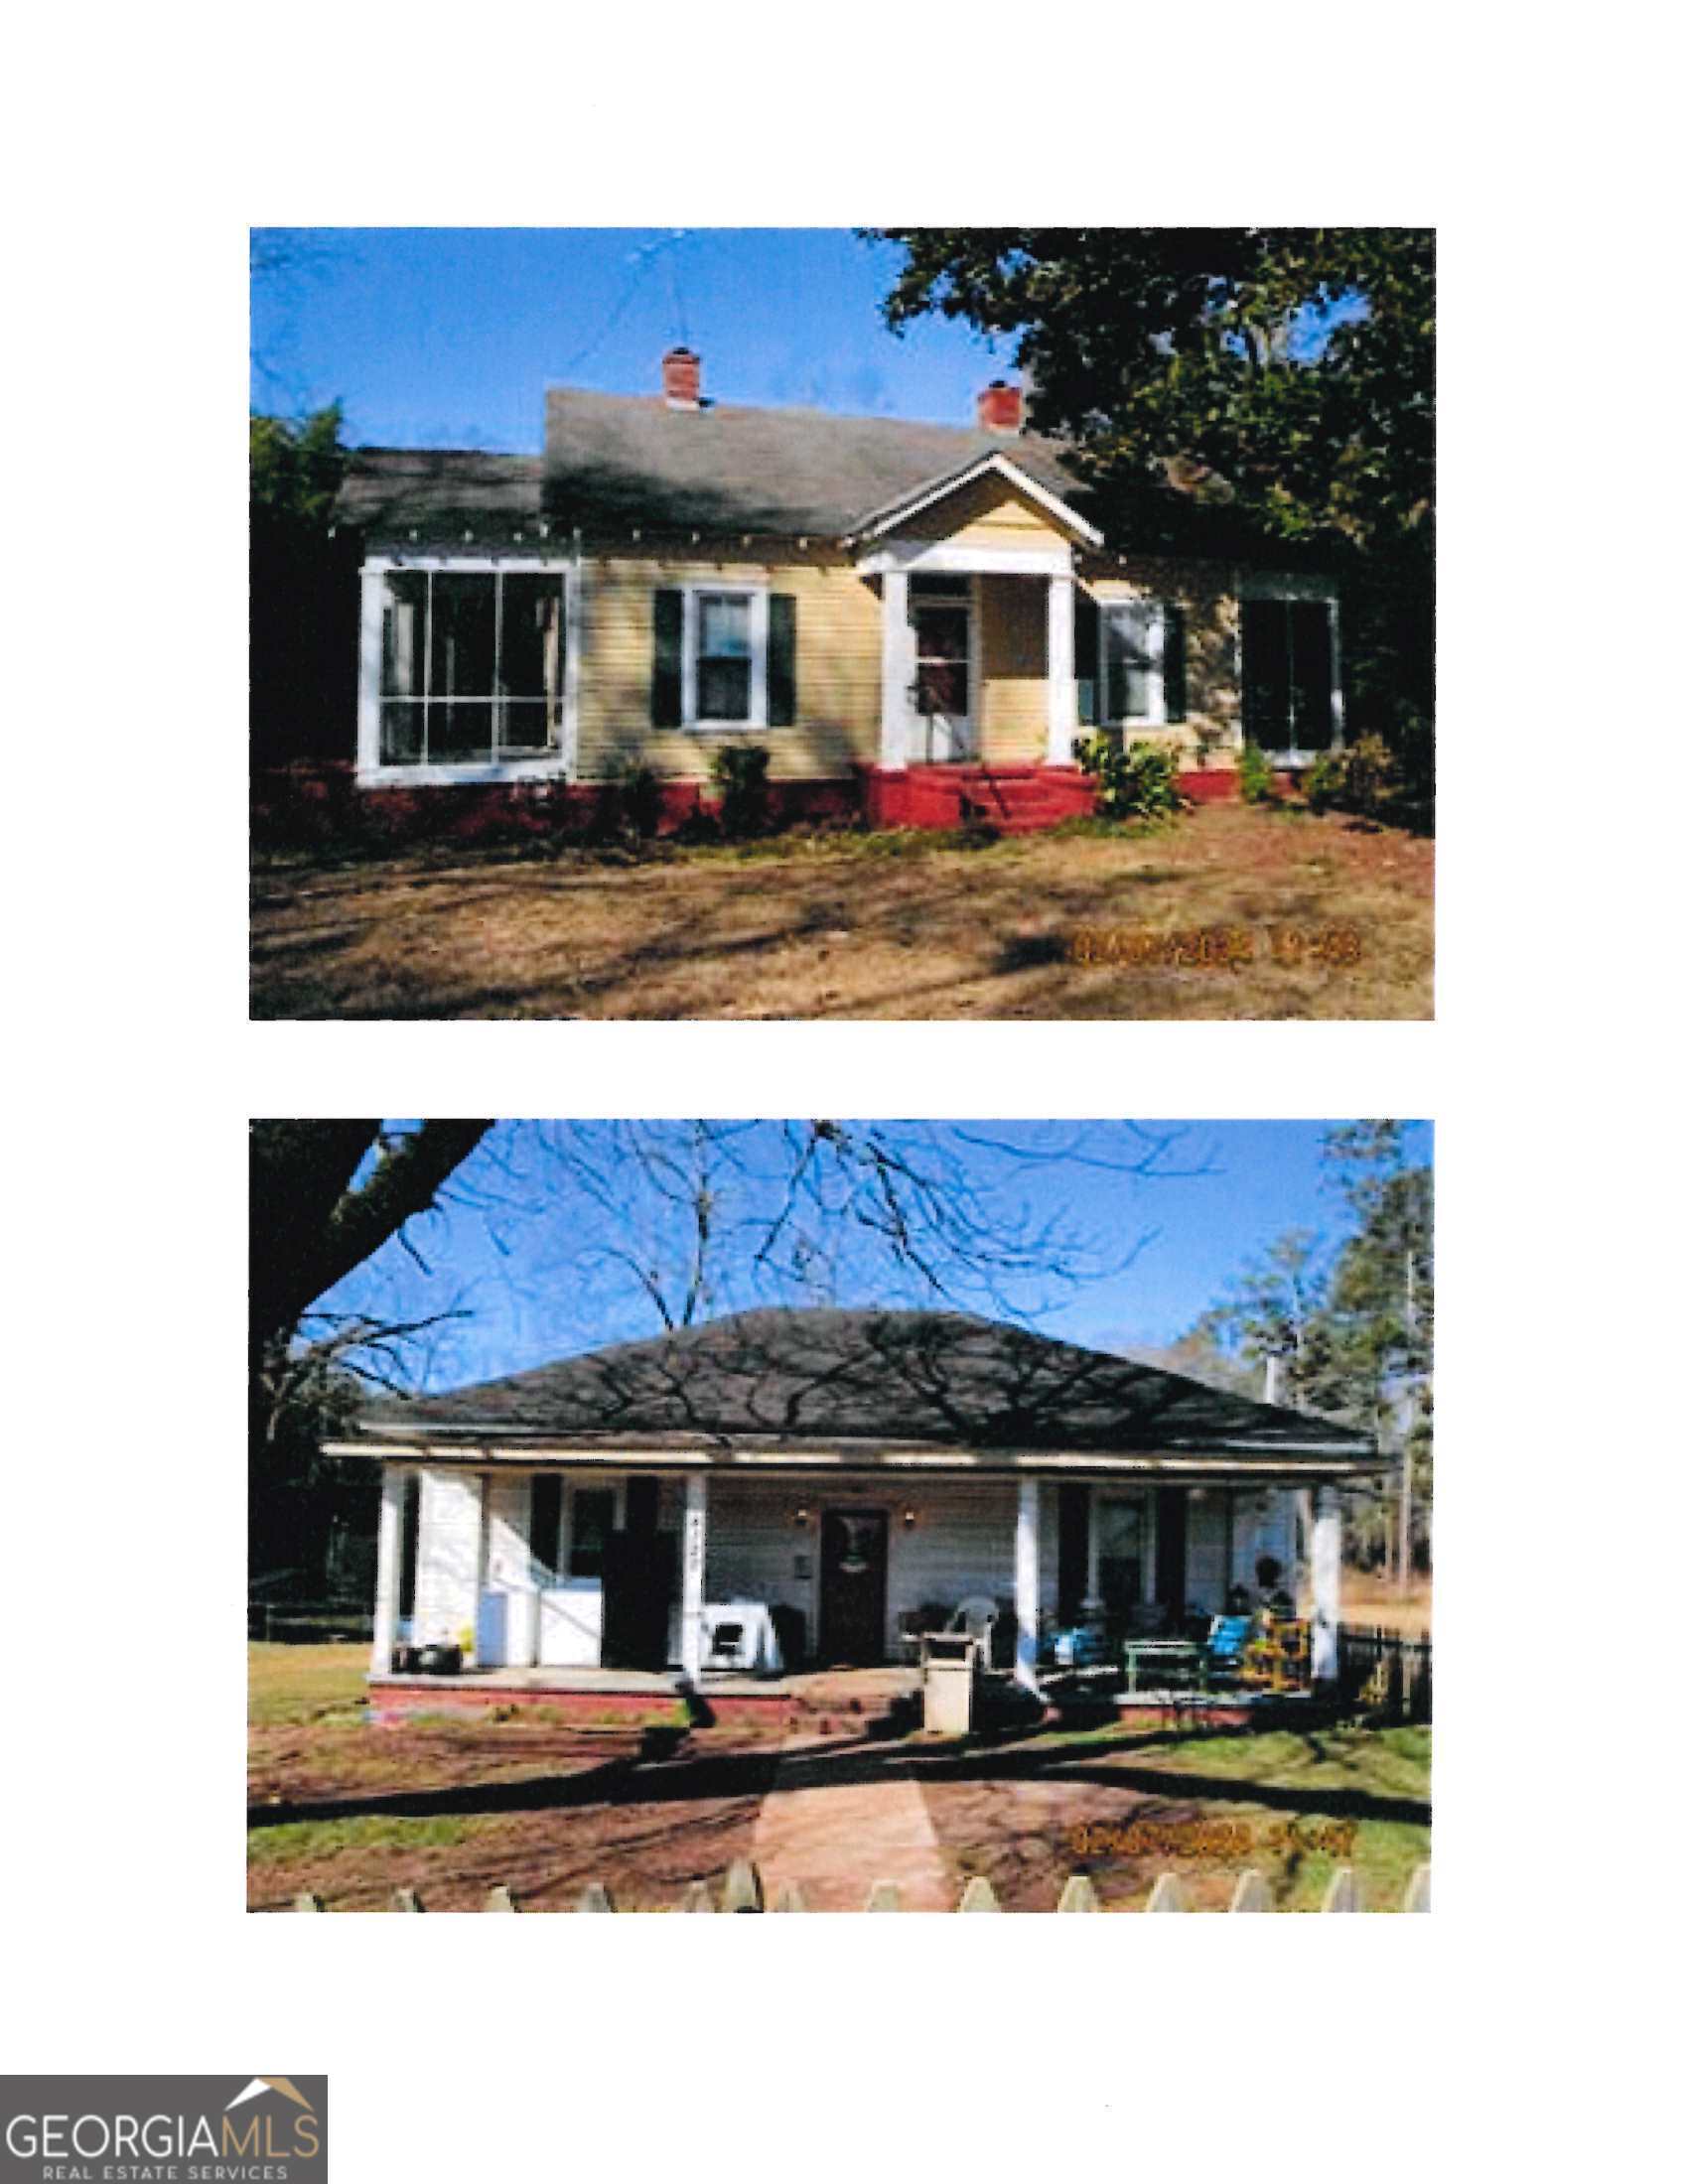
(852, 1472)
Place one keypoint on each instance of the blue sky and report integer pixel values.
(448, 337)
(532, 1265)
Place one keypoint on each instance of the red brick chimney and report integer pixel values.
(682, 379)
(1000, 407)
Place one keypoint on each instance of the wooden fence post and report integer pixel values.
(884, 1895)
(978, 1895)
(498, 1898)
(697, 1897)
(1251, 1893)
(1417, 1897)
(405, 1899)
(790, 1898)
(1343, 1894)
(305, 1901)
(595, 1897)
(743, 1892)
(1167, 1896)
(1080, 1894)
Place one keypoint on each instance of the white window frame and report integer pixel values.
(1312, 591)
(549, 765)
(570, 1482)
(692, 594)
(1155, 717)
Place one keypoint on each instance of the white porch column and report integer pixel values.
(370, 672)
(390, 1549)
(1025, 1586)
(1327, 1582)
(896, 669)
(693, 1546)
(1063, 684)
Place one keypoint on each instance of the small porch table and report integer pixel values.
(1176, 1654)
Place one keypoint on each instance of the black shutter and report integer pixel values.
(782, 660)
(1086, 655)
(668, 624)
(1171, 662)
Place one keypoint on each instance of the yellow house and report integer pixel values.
(916, 621)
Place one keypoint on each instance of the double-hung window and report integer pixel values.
(1133, 667)
(473, 665)
(725, 661)
(725, 657)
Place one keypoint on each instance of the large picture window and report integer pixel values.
(472, 665)
(1290, 695)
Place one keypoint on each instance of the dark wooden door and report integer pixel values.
(638, 1584)
(851, 1586)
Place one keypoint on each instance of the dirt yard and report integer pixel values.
(1232, 911)
(350, 1811)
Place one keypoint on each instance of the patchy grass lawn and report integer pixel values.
(1125, 1806)
(1336, 919)
(303, 1683)
(449, 1806)
(1376, 1603)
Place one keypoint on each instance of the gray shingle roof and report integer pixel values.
(439, 493)
(634, 460)
(943, 1379)
(617, 462)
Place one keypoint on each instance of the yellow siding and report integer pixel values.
(838, 659)
(838, 654)
(988, 513)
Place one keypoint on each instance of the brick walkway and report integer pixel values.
(835, 1838)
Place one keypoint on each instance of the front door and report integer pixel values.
(851, 1586)
(944, 678)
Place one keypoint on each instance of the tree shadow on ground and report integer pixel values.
(634, 1779)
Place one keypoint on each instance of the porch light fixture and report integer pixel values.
(800, 1522)
(908, 1520)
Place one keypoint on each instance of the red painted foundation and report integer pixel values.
(322, 802)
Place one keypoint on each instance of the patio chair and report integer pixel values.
(1227, 1638)
(978, 1616)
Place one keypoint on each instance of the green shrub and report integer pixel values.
(1362, 779)
(1324, 782)
(629, 804)
(1254, 775)
(740, 772)
(1133, 780)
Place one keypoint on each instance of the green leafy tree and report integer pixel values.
(304, 593)
(1349, 1330)
(1228, 386)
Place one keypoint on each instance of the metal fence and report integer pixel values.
(1382, 1676)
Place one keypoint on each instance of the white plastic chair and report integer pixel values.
(977, 1616)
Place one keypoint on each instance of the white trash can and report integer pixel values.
(948, 1666)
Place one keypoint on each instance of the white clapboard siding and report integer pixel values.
(960, 1543)
(448, 1557)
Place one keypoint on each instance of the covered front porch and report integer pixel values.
(783, 1492)
(979, 696)
(575, 1579)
